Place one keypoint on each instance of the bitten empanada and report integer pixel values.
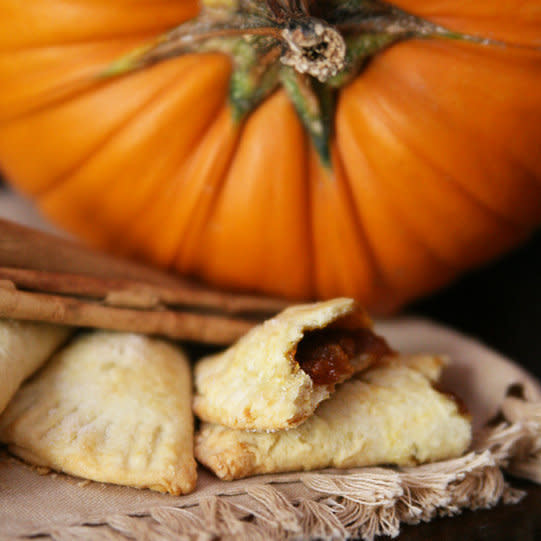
(275, 376)
(389, 414)
(24, 347)
(111, 407)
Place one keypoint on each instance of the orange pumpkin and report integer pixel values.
(434, 148)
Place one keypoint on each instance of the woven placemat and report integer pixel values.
(332, 504)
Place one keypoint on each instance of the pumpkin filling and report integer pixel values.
(326, 355)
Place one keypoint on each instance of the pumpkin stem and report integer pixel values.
(310, 47)
(314, 47)
(308, 44)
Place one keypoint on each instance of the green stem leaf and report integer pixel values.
(255, 75)
(314, 103)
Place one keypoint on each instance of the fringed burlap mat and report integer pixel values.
(329, 504)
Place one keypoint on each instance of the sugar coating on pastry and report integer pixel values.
(275, 376)
(389, 414)
(110, 407)
(24, 347)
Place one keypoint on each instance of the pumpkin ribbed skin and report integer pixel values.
(436, 154)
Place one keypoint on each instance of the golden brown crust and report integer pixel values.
(111, 407)
(258, 385)
(24, 347)
(389, 414)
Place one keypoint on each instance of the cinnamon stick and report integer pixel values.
(208, 328)
(47, 278)
(102, 287)
(61, 260)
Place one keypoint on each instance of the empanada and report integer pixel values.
(111, 407)
(389, 414)
(24, 347)
(275, 376)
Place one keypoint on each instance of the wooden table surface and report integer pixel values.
(521, 522)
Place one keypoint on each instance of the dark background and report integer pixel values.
(499, 304)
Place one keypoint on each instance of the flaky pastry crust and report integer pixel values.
(24, 347)
(111, 407)
(389, 414)
(257, 384)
